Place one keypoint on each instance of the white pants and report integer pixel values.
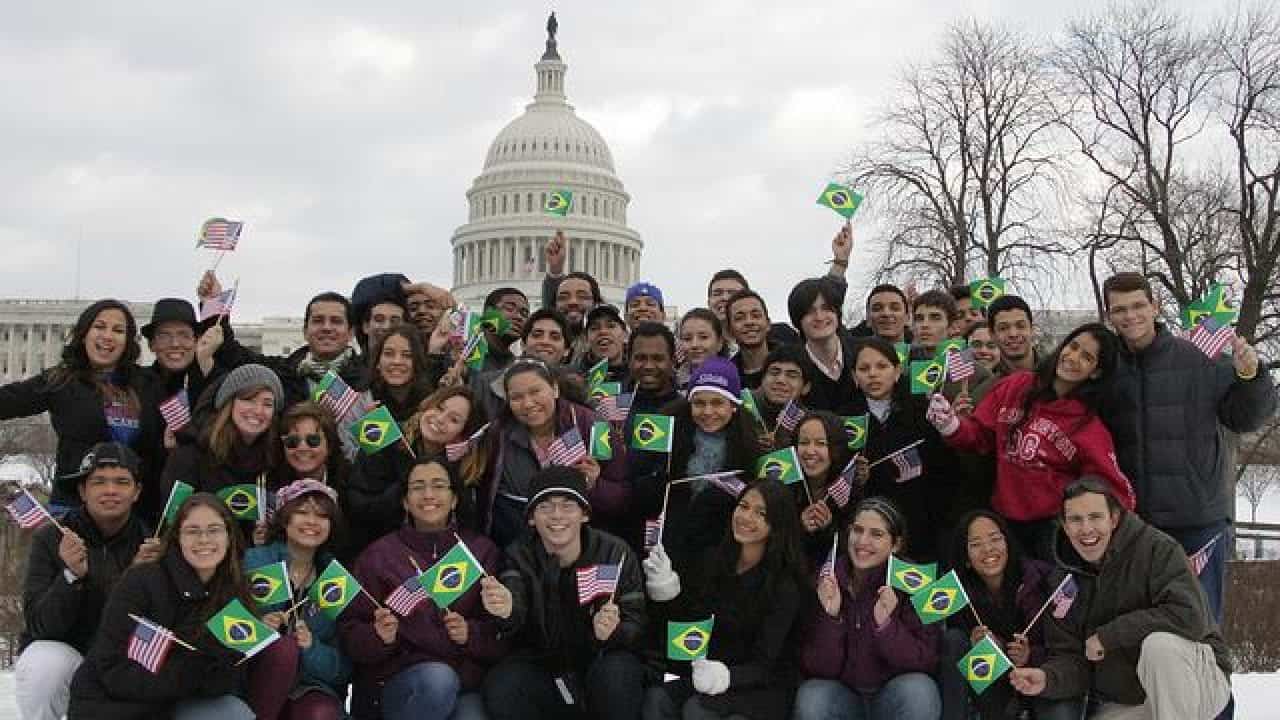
(1181, 678)
(43, 677)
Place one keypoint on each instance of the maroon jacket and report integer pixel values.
(852, 650)
(382, 567)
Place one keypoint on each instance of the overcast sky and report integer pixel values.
(345, 136)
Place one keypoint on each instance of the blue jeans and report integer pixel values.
(1213, 577)
(909, 696)
(223, 707)
(429, 691)
(612, 688)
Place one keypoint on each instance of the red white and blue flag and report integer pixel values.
(219, 304)
(455, 451)
(176, 411)
(1200, 558)
(960, 365)
(220, 234)
(791, 416)
(26, 511)
(407, 596)
(338, 396)
(725, 481)
(842, 488)
(149, 645)
(828, 568)
(909, 464)
(1210, 337)
(597, 580)
(652, 532)
(614, 408)
(1064, 596)
(567, 449)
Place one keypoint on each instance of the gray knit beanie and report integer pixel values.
(249, 377)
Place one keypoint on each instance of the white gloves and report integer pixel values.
(660, 581)
(941, 415)
(710, 677)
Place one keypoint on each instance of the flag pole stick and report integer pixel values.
(235, 290)
(1046, 604)
(474, 559)
(415, 564)
(43, 509)
(218, 260)
(153, 626)
(372, 598)
(295, 606)
(662, 514)
(408, 447)
(899, 451)
(807, 493)
(614, 591)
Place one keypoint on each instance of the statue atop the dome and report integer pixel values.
(552, 26)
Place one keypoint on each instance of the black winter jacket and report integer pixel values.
(1168, 408)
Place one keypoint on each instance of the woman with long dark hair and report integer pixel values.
(1044, 430)
(400, 378)
(198, 575)
(754, 585)
(97, 393)
(823, 447)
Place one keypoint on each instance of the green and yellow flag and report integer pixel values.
(926, 376)
(909, 577)
(841, 199)
(986, 291)
(944, 598)
(946, 346)
(597, 374)
(178, 494)
(781, 465)
(604, 389)
(984, 664)
(334, 590)
(1213, 304)
(689, 640)
(492, 320)
(269, 585)
(376, 430)
(903, 350)
(855, 428)
(601, 447)
(558, 203)
(749, 404)
(237, 628)
(452, 575)
(242, 501)
(653, 432)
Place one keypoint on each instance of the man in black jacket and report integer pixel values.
(71, 572)
(1169, 408)
(573, 649)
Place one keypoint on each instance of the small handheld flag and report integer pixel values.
(602, 390)
(844, 201)
(334, 590)
(652, 533)
(220, 304)
(910, 577)
(475, 351)
(238, 629)
(376, 430)
(1212, 304)
(558, 203)
(601, 448)
(178, 494)
(455, 451)
(926, 376)
(407, 596)
(567, 449)
(1211, 338)
(984, 664)
(946, 347)
(452, 575)
(855, 428)
(909, 465)
(961, 365)
(653, 433)
(176, 411)
(986, 291)
(903, 350)
(749, 404)
(828, 569)
(1200, 558)
(689, 640)
(334, 393)
(149, 645)
(269, 585)
(781, 465)
(598, 374)
(841, 488)
(219, 234)
(26, 511)
(242, 501)
(725, 481)
(942, 599)
(613, 408)
(1061, 599)
(596, 581)
(791, 415)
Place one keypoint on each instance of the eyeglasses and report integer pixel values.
(293, 440)
(213, 532)
(174, 338)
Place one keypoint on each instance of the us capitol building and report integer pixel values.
(547, 148)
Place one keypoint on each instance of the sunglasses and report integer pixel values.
(292, 441)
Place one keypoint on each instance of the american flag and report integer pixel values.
(1210, 337)
(472, 343)
(219, 304)
(26, 511)
(597, 580)
(842, 488)
(909, 465)
(455, 451)
(407, 596)
(338, 397)
(791, 415)
(828, 568)
(614, 408)
(1200, 558)
(220, 234)
(652, 532)
(960, 365)
(567, 449)
(726, 481)
(176, 411)
(1064, 596)
(149, 645)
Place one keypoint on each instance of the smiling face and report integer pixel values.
(424, 312)
(720, 292)
(820, 320)
(699, 340)
(748, 322)
(106, 340)
(382, 317)
(870, 542)
(429, 497)
(811, 445)
(327, 332)
(644, 308)
(607, 338)
(251, 414)
(887, 312)
(711, 411)
(875, 374)
(204, 538)
(783, 382)
(751, 519)
(929, 325)
(109, 494)
(1088, 523)
(532, 400)
(1078, 360)
(1012, 330)
(1133, 315)
(174, 345)
(574, 299)
(987, 548)
(310, 449)
(442, 424)
(985, 349)
(546, 341)
(308, 526)
(968, 316)
(395, 363)
(515, 308)
(558, 520)
(650, 364)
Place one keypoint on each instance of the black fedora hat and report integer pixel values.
(173, 310)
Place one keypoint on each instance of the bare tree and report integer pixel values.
(1255, 483)
(32, 441)
(966, 167)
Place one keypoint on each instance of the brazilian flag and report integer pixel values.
(689, 640)
(475, 351)
(855, 428)
(492, 320)
(242, 501)
(1213, 304)
(451, 576)
(926, 376)
(601, 447)
(558, 203)
(376, 430)
(984, 664)
(597, 374)
(909, 577)
(944, 598)
(600, 390)
(749, 404)
(986, 291)
(237, 628)
(781, 465)
(903, 350)
(947, 346)
(178, 494)
(334, 590)
(653, 432)
(269, 585)
(840, 199)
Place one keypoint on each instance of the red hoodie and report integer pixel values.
(1057, 444)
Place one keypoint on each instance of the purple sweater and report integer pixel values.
(850, 648)
(422, 636)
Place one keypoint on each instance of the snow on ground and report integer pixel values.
(1257, 695)
(8, 702)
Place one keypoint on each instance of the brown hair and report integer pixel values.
(471, 467)
(228, 580)
(222, 435)
(939, 299)
(326, 506)
(1125, 282)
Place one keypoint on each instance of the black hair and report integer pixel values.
(654, 329)
(895, 522)
(960, 292)
(1091, 484)
(75, 358)
(794, 354)
(837, 439)
(1005, 303)
(728, 274)
(875, 342)
(464, 515)
(546, 314)
(276, 532)
(784, 560)
(491, 300)
(590, 280)
(331, 296)
(701, 313)
(1089, 392)
(420, 385)
(742, 445)
(887, 287)
(740, 296)
(1012, 576)
(805, 293)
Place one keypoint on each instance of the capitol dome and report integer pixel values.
(547, 148)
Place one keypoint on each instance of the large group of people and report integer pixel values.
(1086, 479)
